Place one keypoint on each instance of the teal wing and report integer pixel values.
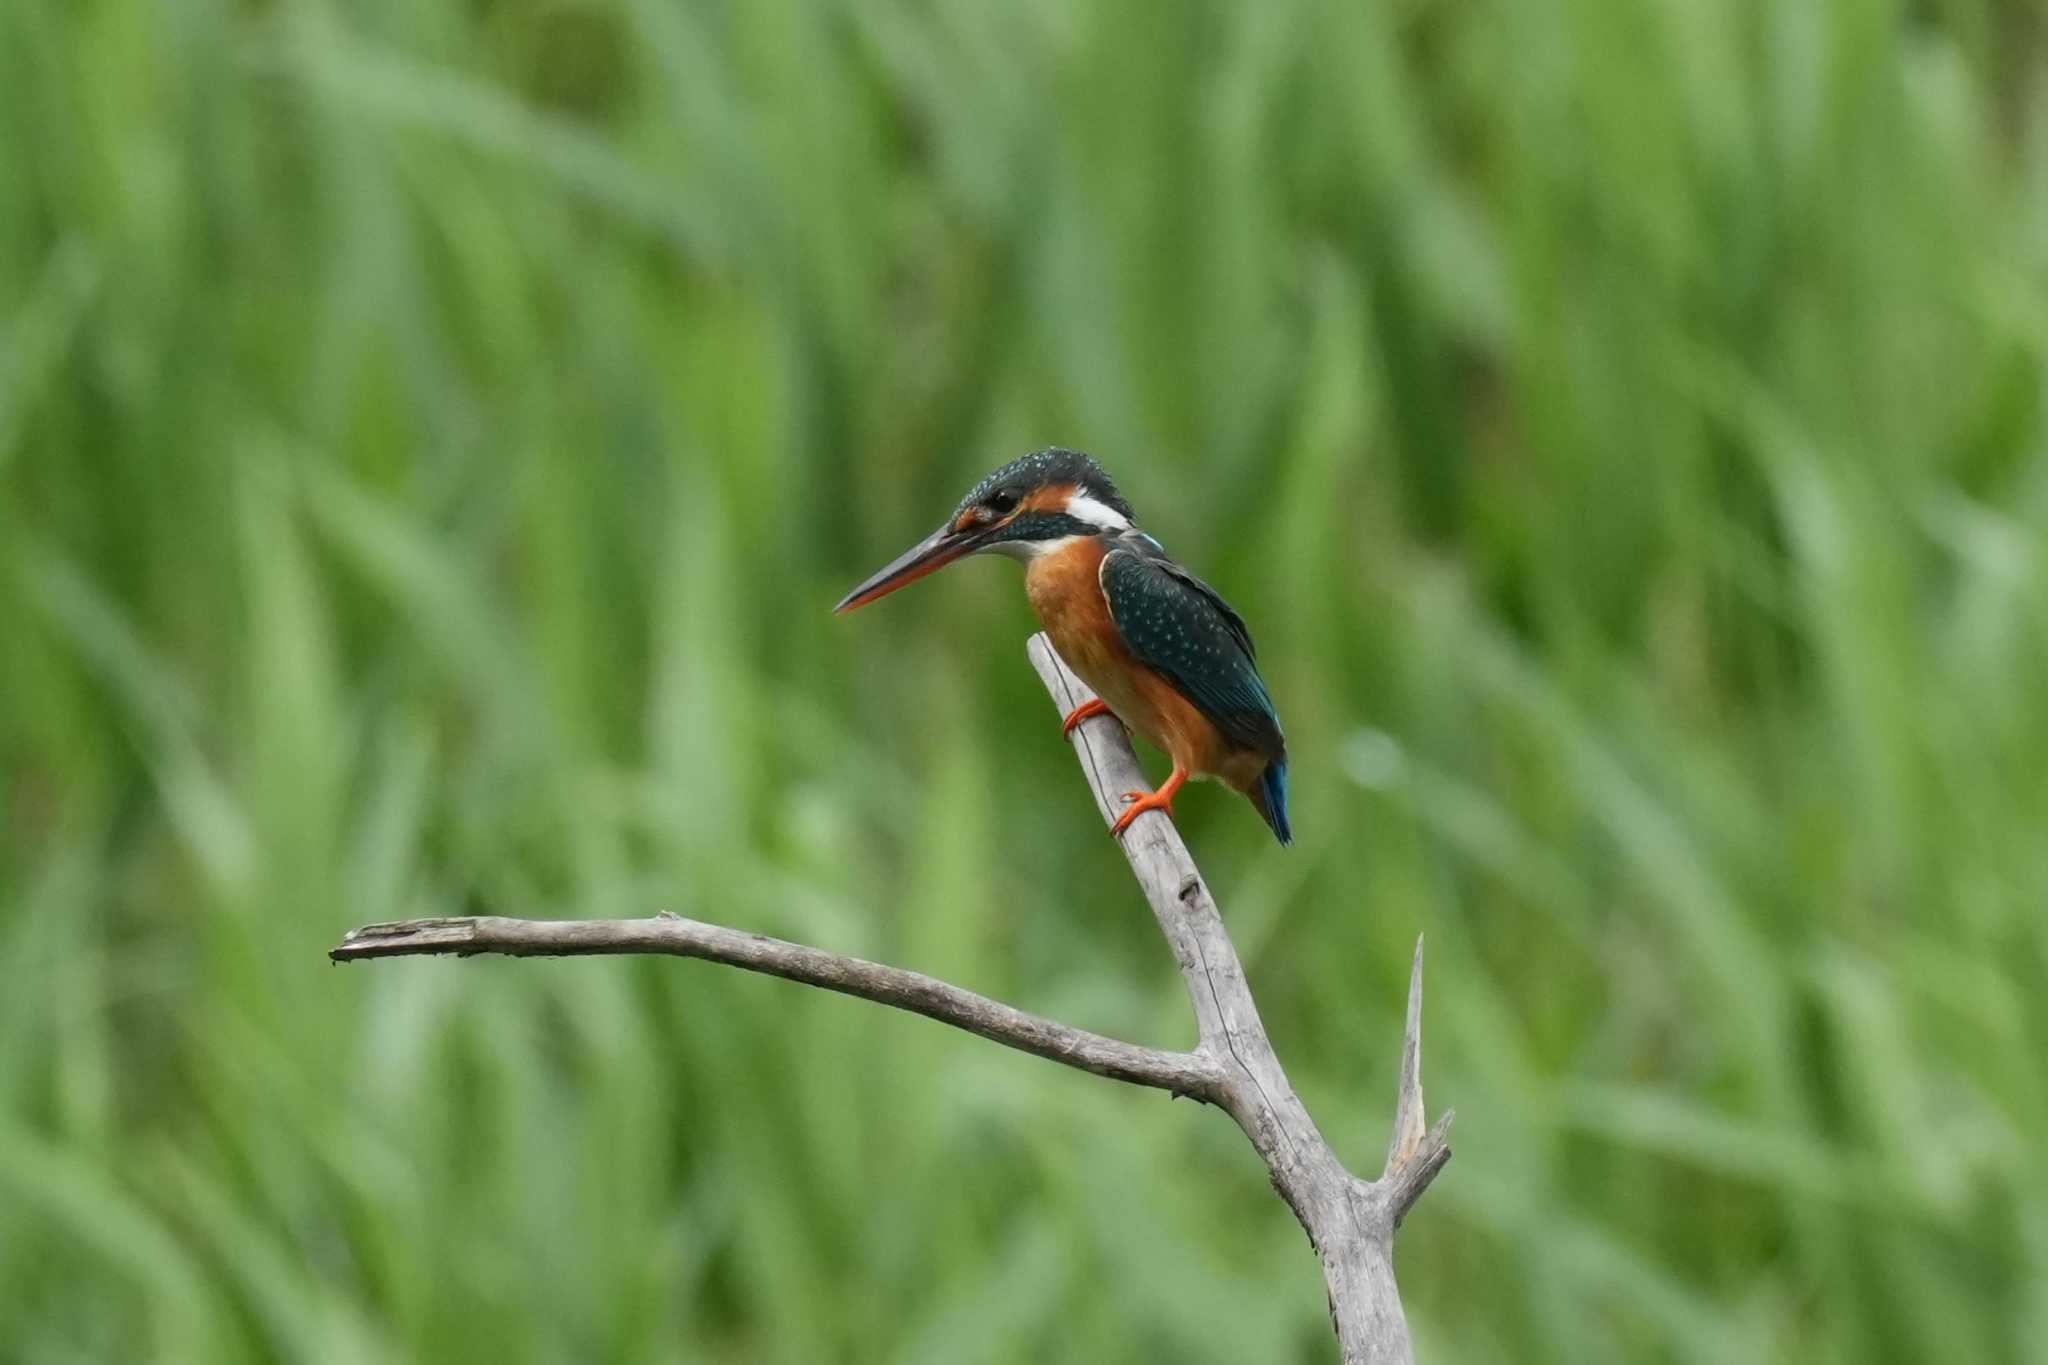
(1182, 628)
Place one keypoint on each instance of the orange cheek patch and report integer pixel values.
(1051, 498)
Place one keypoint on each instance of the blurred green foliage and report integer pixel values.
(431, 435)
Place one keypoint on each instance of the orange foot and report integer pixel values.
(1094, 706)
(1140, 802)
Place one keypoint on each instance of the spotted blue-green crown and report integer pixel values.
(1051, 465)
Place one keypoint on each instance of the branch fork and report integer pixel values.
(1350, 1221)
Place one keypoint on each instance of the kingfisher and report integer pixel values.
(1165, 654)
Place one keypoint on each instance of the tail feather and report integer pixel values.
(1269, 794)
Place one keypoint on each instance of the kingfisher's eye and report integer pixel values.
(1004, 501)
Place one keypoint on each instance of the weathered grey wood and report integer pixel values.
(1350, 1222)
(1182, 1073)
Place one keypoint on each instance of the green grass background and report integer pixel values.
(432, 434)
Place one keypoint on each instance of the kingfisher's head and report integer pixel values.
(1026, 508)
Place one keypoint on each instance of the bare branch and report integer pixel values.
(1407, 1184)
(1408, 1120)
(1181, 1073)
(1350, 1222)
(1414, 1156)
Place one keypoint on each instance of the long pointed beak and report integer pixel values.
(929, 555)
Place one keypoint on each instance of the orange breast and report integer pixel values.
(1066, 591)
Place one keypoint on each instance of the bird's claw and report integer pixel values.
(1094, 706)
(1137, 803)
